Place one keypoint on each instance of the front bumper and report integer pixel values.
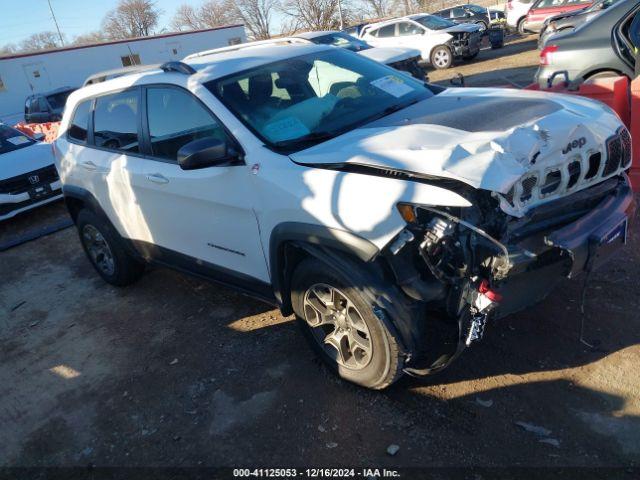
(13, 204)
(466, 45)
(582, 245)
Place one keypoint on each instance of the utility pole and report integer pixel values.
(56, 22)
(340, 13)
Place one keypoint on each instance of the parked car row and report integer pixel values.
(439, 40)
(600, 43)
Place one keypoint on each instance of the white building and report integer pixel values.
(23, 75)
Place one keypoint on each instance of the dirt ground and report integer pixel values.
(174, 371)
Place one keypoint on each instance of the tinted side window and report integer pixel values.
(115, 121)
(457, 12)
(387, 31)
(177, 118)
(406, 28)
(80, 122)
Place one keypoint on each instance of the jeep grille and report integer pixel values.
(580, 172)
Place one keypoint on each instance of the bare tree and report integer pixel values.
(313, 14)
(8, 49)
(255, 14)
(40, 41)
(379, 8)
(130, 19)
(212, 13)
(90, 38)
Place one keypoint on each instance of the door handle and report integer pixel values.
(89, 165)
(157, 178)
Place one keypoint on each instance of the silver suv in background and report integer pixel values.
(598, 48)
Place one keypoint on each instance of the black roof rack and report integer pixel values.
(179, 67)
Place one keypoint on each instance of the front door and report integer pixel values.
(202, 216)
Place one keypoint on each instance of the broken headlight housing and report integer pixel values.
(451, 246)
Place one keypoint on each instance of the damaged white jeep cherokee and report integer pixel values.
(393, 218)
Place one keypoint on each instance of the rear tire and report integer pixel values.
(339, 323)
(520, 27)
(106, 250)
(441, 57)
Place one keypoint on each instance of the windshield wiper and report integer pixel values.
(309, 137)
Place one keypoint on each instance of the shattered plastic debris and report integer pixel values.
(484, 403)
(550, 441)
(529, 427)
(173, 362)
(393, 449)
(332, 445)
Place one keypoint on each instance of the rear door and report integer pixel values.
(383, 37)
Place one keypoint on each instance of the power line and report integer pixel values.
(56, 22)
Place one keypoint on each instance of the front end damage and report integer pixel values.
(476, 264)
(466, 43)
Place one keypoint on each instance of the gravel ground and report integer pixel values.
(173, 371)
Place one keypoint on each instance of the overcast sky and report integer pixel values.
(19, 19)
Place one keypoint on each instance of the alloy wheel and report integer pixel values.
(98, 249)
(338, 326)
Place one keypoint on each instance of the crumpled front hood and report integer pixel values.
(486, 138)
(461, 27)
(389, 55)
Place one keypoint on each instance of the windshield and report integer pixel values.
(58, 100)
(298, 102)
(342, 40)
(12, 139)
(433, 23)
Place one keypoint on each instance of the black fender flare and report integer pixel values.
(353, 257)
(299, 233)
(73, 193)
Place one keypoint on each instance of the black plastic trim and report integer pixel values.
(310, 234)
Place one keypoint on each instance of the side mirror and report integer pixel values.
(206, 152)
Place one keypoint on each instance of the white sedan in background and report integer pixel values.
(28, 176)
(401, 58)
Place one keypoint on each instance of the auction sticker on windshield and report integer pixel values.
(20, 140)
(392, 85)
(285, 129)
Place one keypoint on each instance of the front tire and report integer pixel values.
(106, 251)
(521, 29)
(339, 323)
(441, 57)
